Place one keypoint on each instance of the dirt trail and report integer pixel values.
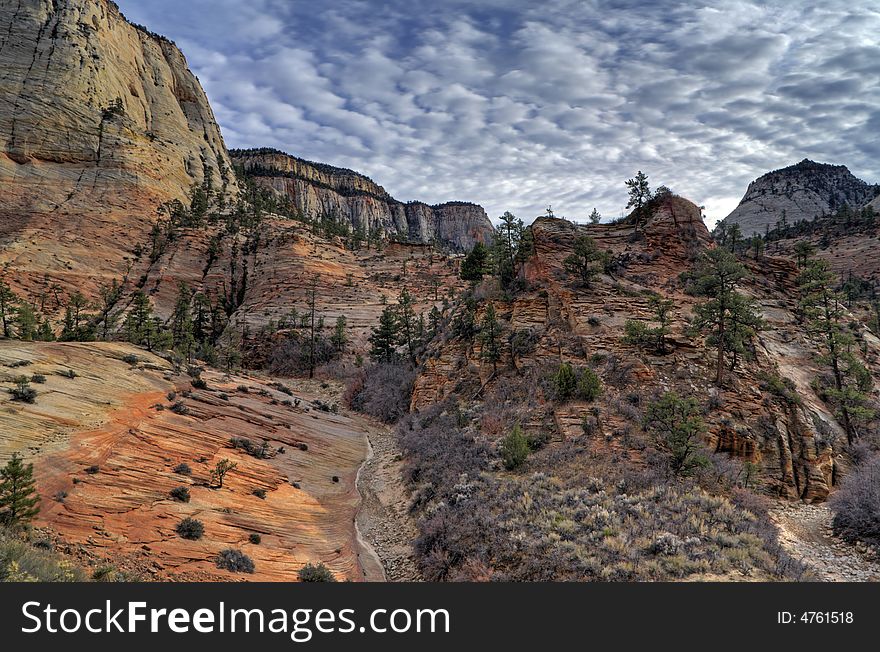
(368, 559)
(805, 531)
(383, 519)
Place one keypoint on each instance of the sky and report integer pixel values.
(517, 104)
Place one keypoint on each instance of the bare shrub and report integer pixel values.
(856, 505)
(291, 357)
(382, 391)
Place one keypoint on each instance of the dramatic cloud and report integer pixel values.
(520, 104)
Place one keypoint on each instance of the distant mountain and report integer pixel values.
(799, 192)
(318, 189)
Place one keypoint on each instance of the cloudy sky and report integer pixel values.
(516, 104)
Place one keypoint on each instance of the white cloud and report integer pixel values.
(517, 105)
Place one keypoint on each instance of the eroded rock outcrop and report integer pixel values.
(799, 192)
(100, 122)
(792, 438)
(318, 190)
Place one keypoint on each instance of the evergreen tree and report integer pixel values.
(639, 334)
(734, 235)
(678, 430)
(182, 335)
(201, 319)
(595, 217)
(728, 318)
(583, 259)
(232, 350)
(339, 339)
(514, 449)
(76, 321)
(408, 323)
(8, 308)
(19, 502)
(506, 248)
(139, 318)
(639, 195)
(474, 264)
(312, 293)
(109, 296)
(824, 311)
(26, 322)
(757, 246)
(45, 333)
(384, 338)
(434, 319)
(803, 250)
(490, 338)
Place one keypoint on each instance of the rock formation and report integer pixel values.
(107, 443)
(799, 192)
(100, 122)
(318, 190)
(794, 446)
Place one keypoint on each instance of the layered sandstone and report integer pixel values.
(317, 190)
(100, 122)
(114, 418)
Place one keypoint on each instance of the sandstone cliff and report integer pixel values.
(799, 192)
(318, 190)
(100, 122)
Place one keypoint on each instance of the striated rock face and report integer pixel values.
(100, 122)
(316, 189)
(115, 416)
(802, 191)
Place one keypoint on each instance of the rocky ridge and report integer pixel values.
(799, 192)
(317, 190)
(796, 447)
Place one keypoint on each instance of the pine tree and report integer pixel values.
(506, 248)
(8, 308)
(728, 318)
(76, 321)
(583, 259)
(490, 338)
(734, 234)
(595, 217)
(139, 318)
(26, 322)
(824, 312)
(231, 351)
(678, 430)
(19, 502)
(758, 246)
(339, 339)
(182, 335)
(109, 296)
(803, 250)
(201, 319)
(45, 333)
(639, 195)
(384, 338)
(474, 264)
(434, 319)
(312, 294)
(408, 323)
